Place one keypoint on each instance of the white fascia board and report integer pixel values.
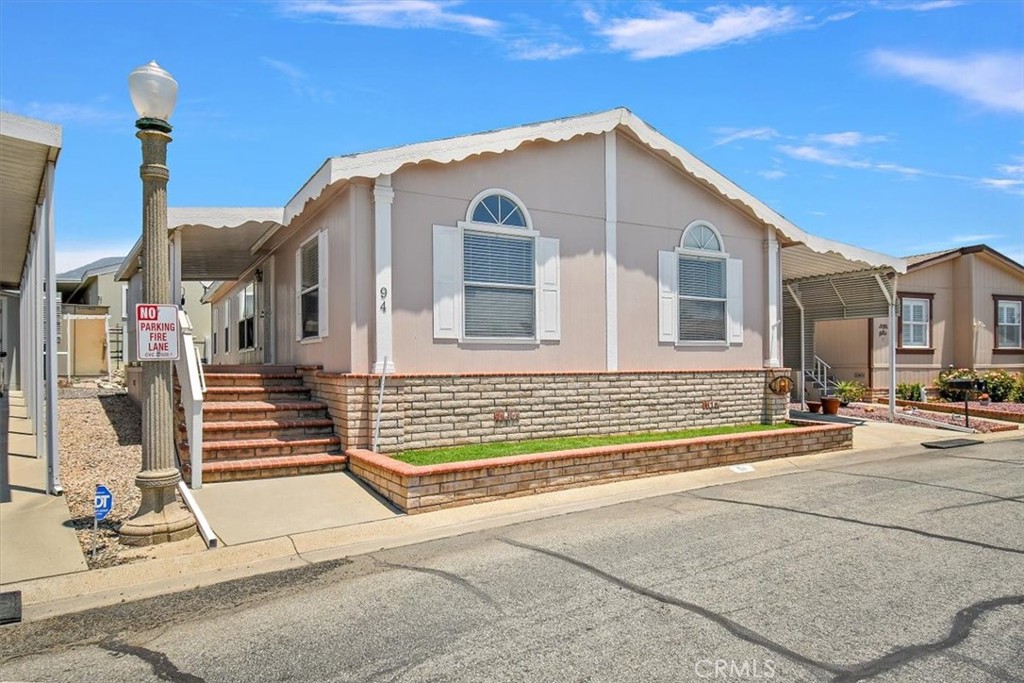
(30, 130)
(216, 291)
(221, 216)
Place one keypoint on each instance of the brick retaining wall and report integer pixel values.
(422, 489)
(428, 411)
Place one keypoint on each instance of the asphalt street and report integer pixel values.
(906, 568)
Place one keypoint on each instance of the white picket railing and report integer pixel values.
(193, 386)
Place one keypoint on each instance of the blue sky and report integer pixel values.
(895, 125)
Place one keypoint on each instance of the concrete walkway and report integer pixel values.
(247, 511)
(869, 434)
(36, 536)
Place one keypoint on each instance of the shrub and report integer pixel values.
(1017, 393)
(908, 392)
(850, 390)
(942, 383)
(1000, 384)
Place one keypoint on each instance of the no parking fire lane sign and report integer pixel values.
(156, 329)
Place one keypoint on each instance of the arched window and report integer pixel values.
(701, 290)
(495, 277)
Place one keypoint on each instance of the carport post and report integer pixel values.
(891, 298)
(803, 347)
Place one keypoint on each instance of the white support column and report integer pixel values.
(893, 321)
(611, 285)
(53, 486)
(39, 330)
(772, 323)
(383, 196)
(803, 348)
(175, 264)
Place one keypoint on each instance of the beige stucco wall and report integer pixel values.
(843, 344)
(562, 187)
(993, 278)
(655, 204)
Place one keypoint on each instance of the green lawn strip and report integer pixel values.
(436, 456)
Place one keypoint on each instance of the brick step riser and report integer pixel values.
(246, 415)
(236, 434)
(249, 369)
(248, 475)
(247, 453)
(225, 381)
(269, 394)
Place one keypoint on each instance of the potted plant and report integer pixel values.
(830, 405)
(984, 399)
(849, 390)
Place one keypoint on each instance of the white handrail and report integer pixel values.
(193, 386)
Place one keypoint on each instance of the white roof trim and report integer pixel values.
(220, 216)
(30, 130)
(387, 161)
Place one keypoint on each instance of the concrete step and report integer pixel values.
(246, 449)
(249, 369)
(220, 411)
(228, 430)
(260, 393)
(264, 468)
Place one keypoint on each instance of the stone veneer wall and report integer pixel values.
(422, 489)
(427, 411)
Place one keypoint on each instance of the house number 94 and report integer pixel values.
(383, 299)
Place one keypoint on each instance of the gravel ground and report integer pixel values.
(869, 411)
(100, 443)
(1004, 407)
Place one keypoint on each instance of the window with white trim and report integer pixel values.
(1008, 323)
(495, 277)
(124, 301)
(915, 331)
(700, 290)
(311, 288)
(247, 317)
(215, 314)
(227, 325)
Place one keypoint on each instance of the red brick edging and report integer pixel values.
(425, 488)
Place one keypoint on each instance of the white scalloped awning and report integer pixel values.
(217, 243)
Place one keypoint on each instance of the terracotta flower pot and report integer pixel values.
(830, 405)
(813, 406)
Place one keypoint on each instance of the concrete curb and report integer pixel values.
(68, 593)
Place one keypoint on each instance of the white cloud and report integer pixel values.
(1006, 184)
(392, 14)
(299, 80)
(923, 6)
(665, 33)
(730, 135)
(973, 238)
(821, 156)
(529, 50)
(993, 80)
(774, 174)
(69, 113)
(847, 139)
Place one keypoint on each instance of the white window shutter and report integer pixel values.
(446, 282)
(549, 326)
(298, 294)
(668, 296)
(734, 290)
(322, 294)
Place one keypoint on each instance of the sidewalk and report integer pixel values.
(52, 596)
(36, 535)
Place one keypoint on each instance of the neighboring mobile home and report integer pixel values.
(583, 275)
(958, 308)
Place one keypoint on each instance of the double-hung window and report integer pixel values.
(915, 328)
(247, 317)
(311, 288)
(1008, 322)
(700, 290)
(495, 277)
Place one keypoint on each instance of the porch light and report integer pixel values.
(153, 93)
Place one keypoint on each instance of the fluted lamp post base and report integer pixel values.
(161, 517)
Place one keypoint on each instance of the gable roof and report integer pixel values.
(82, 272)
(931, 258)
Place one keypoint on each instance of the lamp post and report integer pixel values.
(160, 517)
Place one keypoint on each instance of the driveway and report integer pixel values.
(907, 568)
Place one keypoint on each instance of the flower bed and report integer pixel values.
(424, 488)
(867, 411)
(1010, 412)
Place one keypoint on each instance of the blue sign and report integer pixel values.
(103, 503)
